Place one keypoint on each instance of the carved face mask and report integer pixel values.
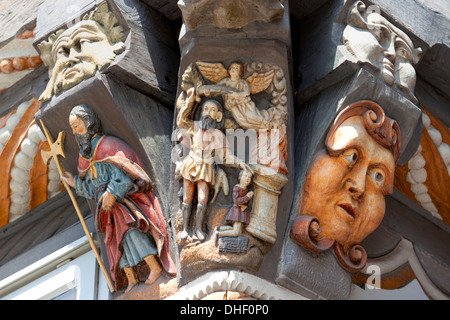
(79, 52)
(346, 191)
(76, 54)
(373, 39)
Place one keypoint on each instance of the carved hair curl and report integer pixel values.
(383, 129)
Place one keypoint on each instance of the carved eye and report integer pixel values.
(84, 41)
(377, 176)
(402, 53)
(61, 51)
(351, 156)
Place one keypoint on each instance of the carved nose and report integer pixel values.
(356, 184)
(70, 62)
(73, 57)
(390, 52)
(356, 191)
(390, 56)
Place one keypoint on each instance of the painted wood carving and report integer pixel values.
(128, 214)
(343, 198)
(197, 169)
(372, 39)
(239, 214)
(78, 52)
(229, 14)
(218, 110)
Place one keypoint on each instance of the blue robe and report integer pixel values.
(136, 244)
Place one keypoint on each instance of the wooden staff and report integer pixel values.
(56, 149)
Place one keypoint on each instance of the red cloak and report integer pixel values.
(236, 213)
(140, 210)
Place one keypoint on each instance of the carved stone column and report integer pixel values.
(268, 185)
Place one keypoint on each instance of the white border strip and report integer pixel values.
(233, 281)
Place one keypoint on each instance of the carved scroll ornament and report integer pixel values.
(306, 230)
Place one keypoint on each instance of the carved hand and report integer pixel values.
(192, 95)
(67, 177)
(108, 201)
(250, 194)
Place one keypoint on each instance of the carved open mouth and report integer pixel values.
(70, 71)
(351, 210)
(388, 65)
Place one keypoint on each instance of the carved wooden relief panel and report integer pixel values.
(229, 13)
(127, 212)
(115, 160)
(230, 162)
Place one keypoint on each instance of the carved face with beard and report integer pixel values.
(78, 53)
(85, 124)
(211, 115)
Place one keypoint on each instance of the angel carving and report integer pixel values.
(237, 90)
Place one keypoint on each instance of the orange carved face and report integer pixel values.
(346, 192)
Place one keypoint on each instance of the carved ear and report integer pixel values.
(219, 116)
(356, 15)
(417, 55)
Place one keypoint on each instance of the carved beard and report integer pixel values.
(78, 72)
(207, 123)
(84, 143)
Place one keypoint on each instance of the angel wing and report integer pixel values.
(260, 81)
(214, 72)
